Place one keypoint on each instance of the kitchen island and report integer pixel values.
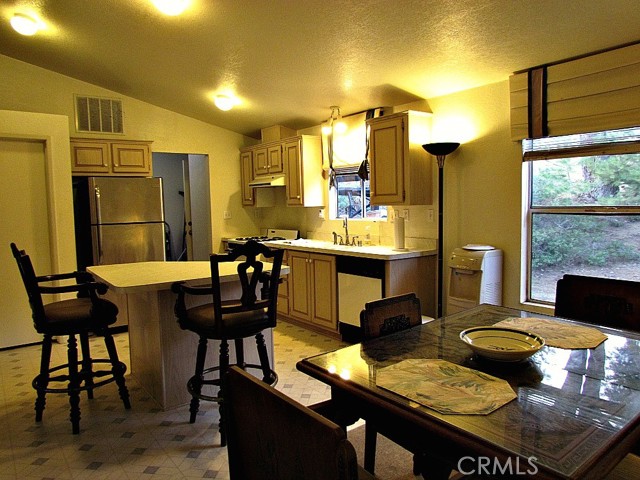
(162, 354)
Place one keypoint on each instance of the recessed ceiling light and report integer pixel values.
(24, 24)
(224, 102)
(171, 7)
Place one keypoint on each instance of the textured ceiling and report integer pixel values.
(289, 60)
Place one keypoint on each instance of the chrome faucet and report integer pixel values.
(345, 225)
(352, 241)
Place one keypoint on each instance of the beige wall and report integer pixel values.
(33, 89)
(482, 186)
(482, 178)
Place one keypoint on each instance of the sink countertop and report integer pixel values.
(378, 252)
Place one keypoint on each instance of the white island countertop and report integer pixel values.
(149, 276)
(379, 252)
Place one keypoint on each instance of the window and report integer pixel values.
(583, 208)
(351, 196)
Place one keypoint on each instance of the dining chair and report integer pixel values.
(249, 313)
(601, 301)
(378, 318)
(271, 436)
(87, 314)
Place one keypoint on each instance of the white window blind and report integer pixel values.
(589, 94)
(611, 142)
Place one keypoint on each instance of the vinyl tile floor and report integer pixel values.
(114, 443)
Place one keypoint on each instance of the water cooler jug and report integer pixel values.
(476, 277)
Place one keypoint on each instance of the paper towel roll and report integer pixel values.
(399, 233)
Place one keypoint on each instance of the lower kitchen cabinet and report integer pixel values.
(312, 289)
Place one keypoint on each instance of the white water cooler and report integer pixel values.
(476, 277)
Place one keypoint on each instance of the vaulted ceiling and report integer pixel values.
(287, 61)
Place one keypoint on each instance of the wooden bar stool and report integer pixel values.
(231, 319)
(79, 316)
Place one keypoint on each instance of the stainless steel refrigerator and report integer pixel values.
(118, 220)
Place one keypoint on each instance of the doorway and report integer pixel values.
(187, 204)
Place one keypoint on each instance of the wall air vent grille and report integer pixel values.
(98, 115)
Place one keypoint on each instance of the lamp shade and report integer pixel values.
(440, 148)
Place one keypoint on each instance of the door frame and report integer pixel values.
(53, 131)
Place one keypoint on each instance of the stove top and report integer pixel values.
(271, 235)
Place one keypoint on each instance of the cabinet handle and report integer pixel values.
(297, 196)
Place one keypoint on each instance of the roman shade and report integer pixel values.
(592, 93)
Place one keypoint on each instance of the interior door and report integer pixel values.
(23, 186)
(199, 207)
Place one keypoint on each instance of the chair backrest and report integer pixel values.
(389, 315)
(270, 436)
(602, 301)
(30, 283)
(251, 273)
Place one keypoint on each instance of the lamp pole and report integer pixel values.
(440, 151)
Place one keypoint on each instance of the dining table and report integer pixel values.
(574, 412)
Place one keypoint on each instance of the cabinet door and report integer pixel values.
(274, 158)
(131, 158)
(246, 175)
(294, 186)
(299, 286)
(89, 157)
(260, 161)
(387, 161)
(324, 290)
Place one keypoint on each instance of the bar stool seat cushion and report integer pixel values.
(241, 324)
(78, 315)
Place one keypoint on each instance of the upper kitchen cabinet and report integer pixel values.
(267, 159)
(302, 157)
(401, 171)
(246, 175)
(107, 157)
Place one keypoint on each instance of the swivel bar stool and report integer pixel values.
(234, 319)
(78, 316)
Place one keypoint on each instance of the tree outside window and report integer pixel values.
(583, 213)
(353, 197)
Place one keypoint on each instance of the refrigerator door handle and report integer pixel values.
(98, 246)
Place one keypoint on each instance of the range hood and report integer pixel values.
(267, 181)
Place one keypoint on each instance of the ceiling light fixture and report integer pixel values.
(334, 123)
(24, 24)
(224, 102)
(171, 7)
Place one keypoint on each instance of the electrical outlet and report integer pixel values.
(226, 215)
(405, 214)
(321, 213)
(430, 215)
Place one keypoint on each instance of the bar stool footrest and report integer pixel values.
(201, 381)
(40, 380)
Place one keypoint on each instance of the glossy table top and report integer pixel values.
(576, 412)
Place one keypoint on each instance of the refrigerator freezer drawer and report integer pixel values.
(127, 243)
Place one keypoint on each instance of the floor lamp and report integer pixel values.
(440, 151)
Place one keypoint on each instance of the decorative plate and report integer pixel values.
(502, 344)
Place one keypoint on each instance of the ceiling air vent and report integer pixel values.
(99, 115)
